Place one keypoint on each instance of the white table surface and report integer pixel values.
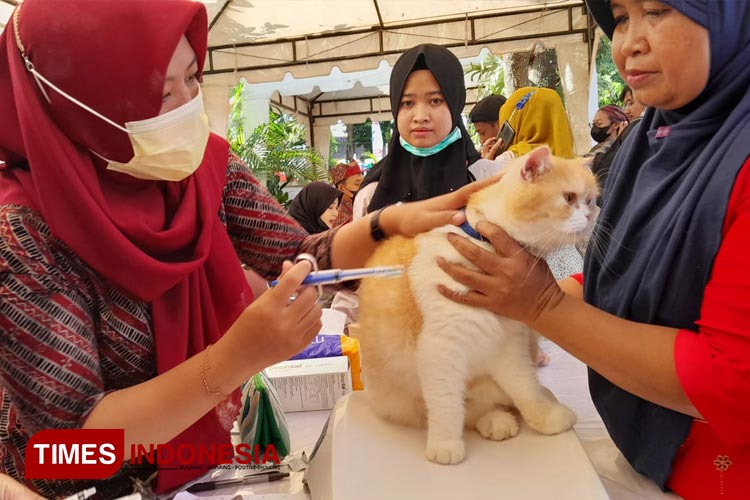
(564, 376)
(567, 378)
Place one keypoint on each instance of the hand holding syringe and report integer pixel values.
(333, 276)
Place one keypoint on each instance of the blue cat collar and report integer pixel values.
(469, 230)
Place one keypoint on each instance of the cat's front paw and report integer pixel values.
(558, 419)
(446, 452)
(497, 425)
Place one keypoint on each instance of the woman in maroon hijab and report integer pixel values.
(123, 226)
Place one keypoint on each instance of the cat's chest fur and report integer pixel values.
(479, 332)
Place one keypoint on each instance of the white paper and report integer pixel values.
(333, 322)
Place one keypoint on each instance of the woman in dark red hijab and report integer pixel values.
(146, 264)
(123, 225)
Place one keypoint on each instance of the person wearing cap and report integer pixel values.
(347, 178)
(484, 116)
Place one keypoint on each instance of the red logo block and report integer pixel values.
(75, 453)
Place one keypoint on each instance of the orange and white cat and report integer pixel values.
(429, 361)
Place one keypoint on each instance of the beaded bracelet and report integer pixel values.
(211, 392)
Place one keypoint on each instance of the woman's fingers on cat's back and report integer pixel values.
(460, 197)
(444, 217)
(470, 298)
(464, 246)
(503, 243)
(478, 284)
(453, 201)
(456, 271)
(483, 183)
(487, 262)
(410, 219)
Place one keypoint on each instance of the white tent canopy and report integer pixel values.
(270, 37)
(327, 60)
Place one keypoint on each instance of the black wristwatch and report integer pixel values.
(375, 231)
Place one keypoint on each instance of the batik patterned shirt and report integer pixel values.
(67, 337)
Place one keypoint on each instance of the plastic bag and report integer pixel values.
(262, 421)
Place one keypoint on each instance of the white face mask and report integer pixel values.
(167, 147)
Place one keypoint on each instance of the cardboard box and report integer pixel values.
(311, 384)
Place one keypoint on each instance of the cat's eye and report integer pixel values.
(570, 198)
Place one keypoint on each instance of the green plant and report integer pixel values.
(489, 76)
(386, 130)
(276, 188)
(608, 80)
(490, 79)
(274, 150)
(331, 148)
(362, 134)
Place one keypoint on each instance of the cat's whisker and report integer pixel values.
(553, 240)
(537, 258)
(599, 176)
(597, 242)
(600, 240)
(550, 235)
(524, 248)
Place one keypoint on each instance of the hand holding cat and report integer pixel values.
(282, 326)
(410, 219)
(510, 282)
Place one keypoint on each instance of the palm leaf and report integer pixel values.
(274, 147)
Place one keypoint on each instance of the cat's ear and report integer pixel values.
(537, 164)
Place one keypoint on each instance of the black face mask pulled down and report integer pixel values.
(600, 134)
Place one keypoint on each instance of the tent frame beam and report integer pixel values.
(312, 115)
(380, 30)
(218, 14)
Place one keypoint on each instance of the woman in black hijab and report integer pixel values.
(427, 156)
(310, 204)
